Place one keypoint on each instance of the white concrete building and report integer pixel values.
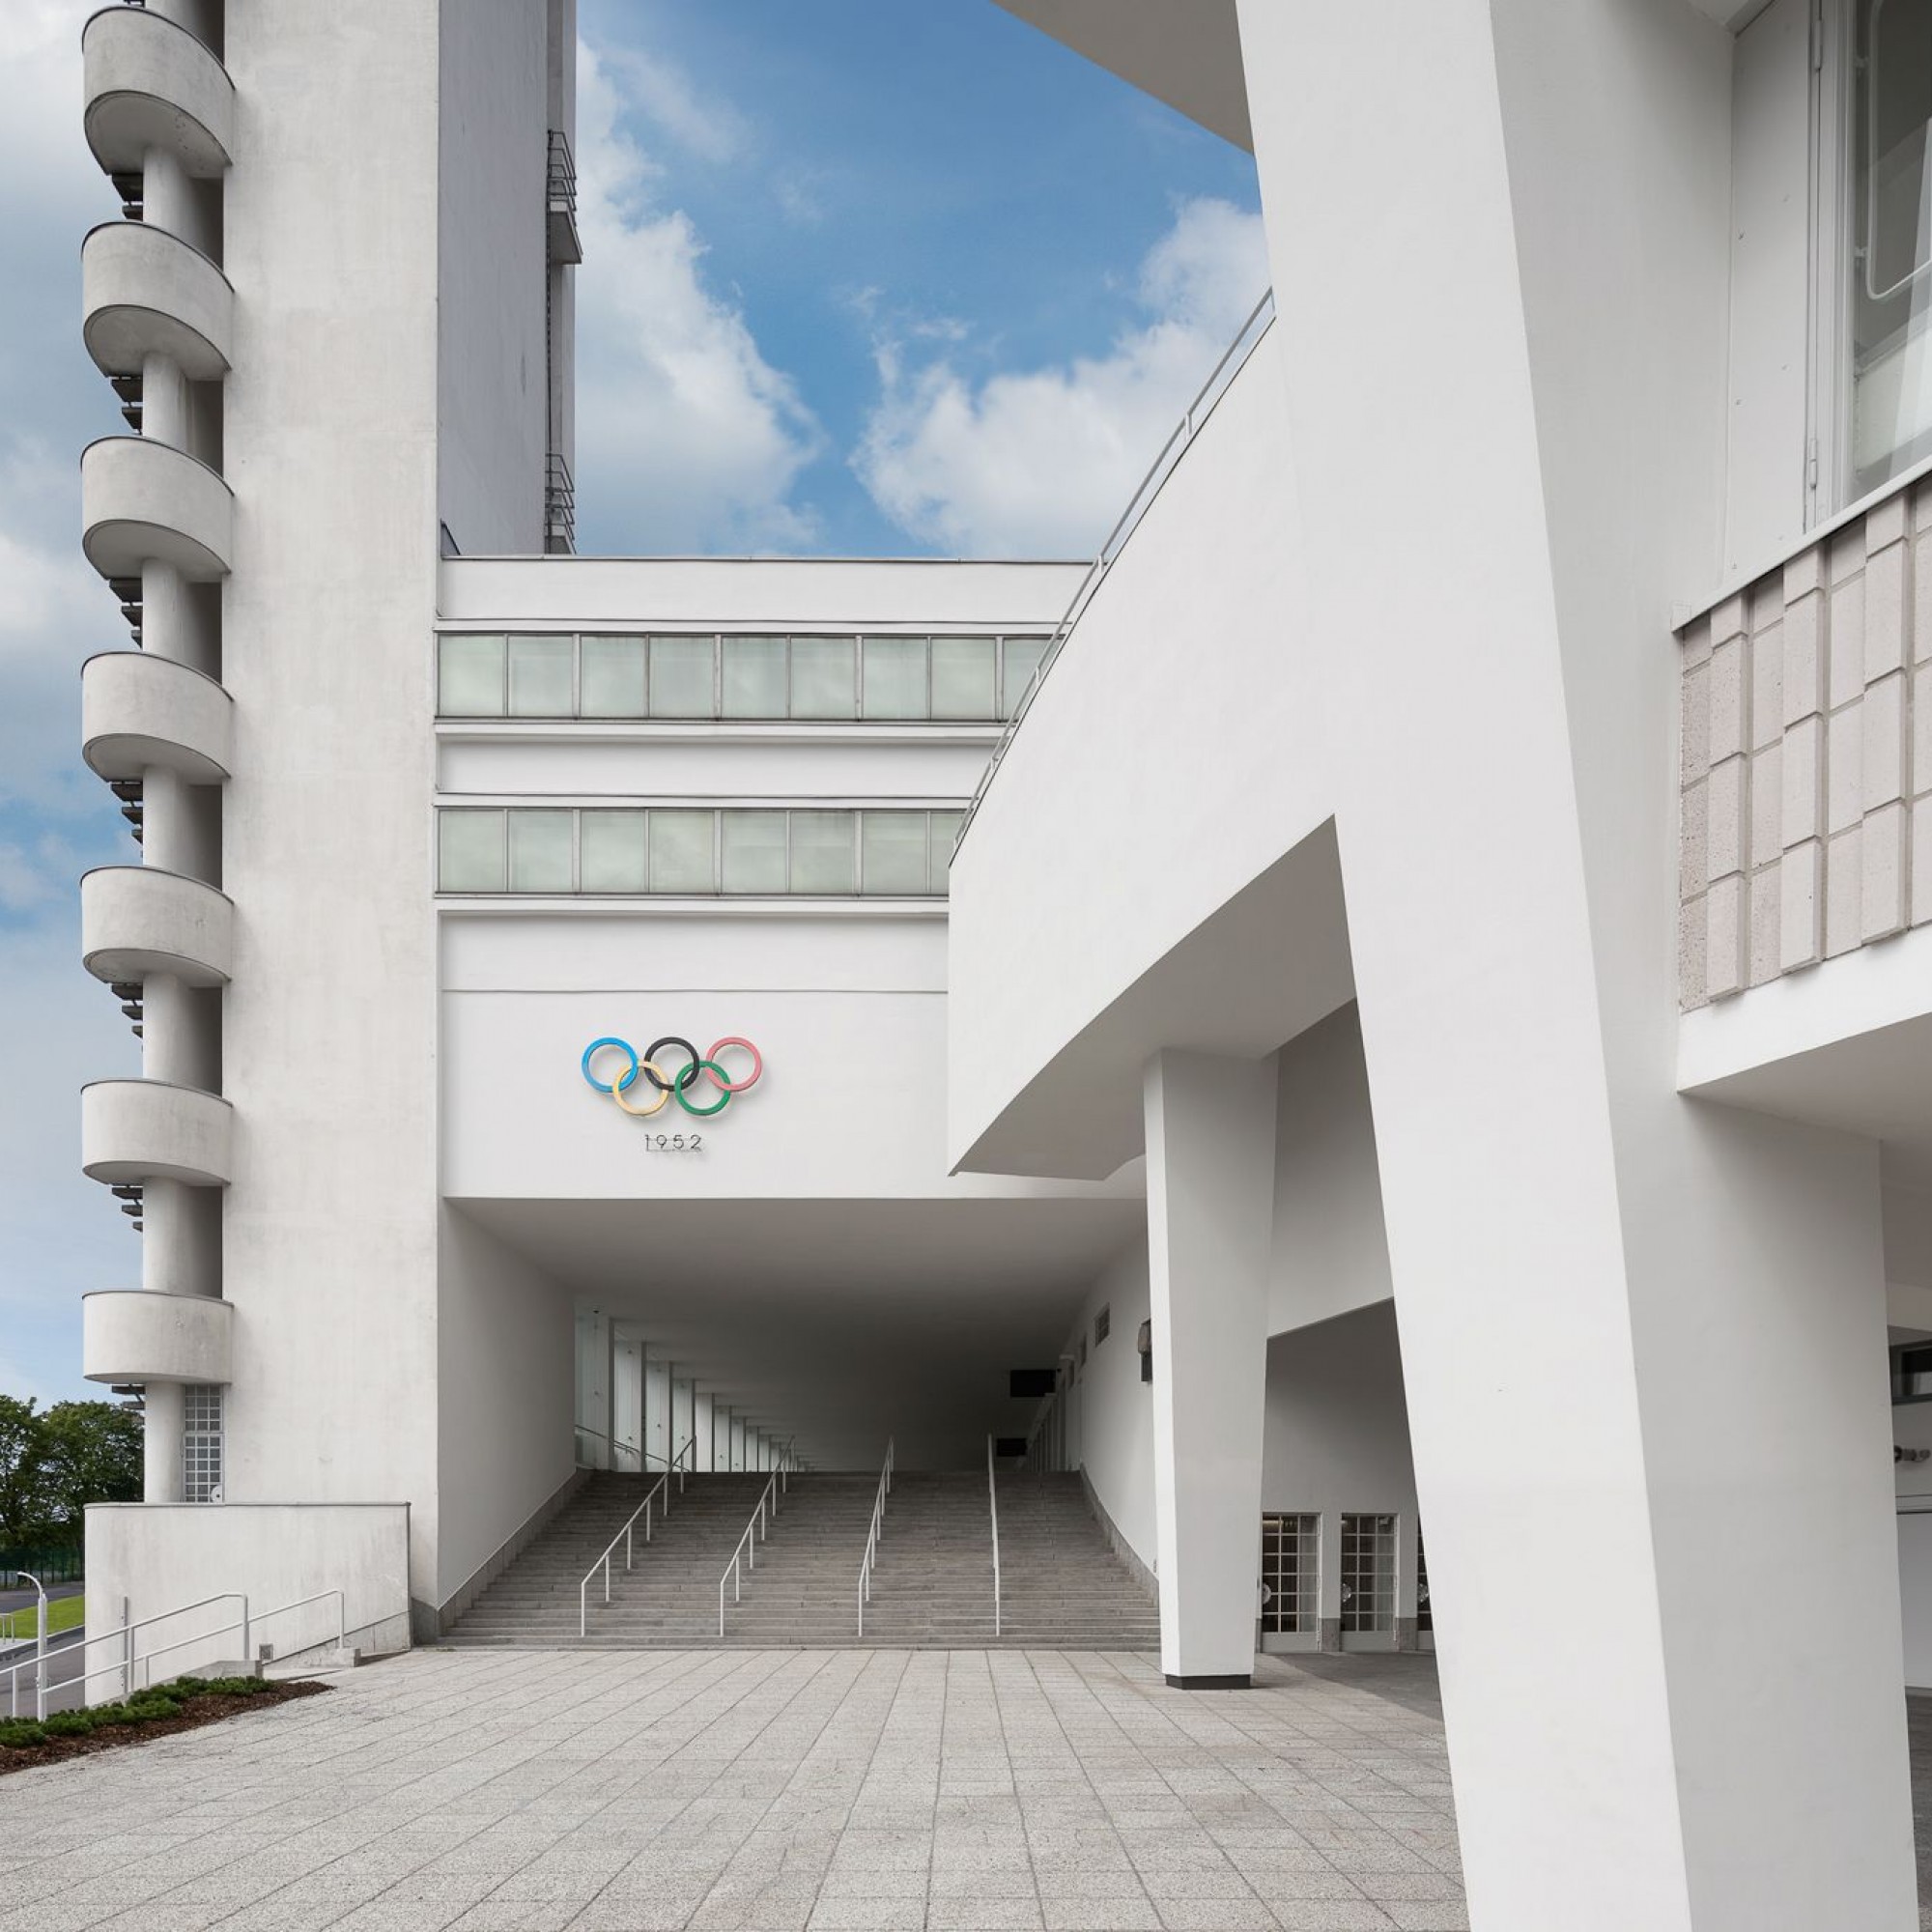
(1440, 953)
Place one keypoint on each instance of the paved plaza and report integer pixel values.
(621, 1791)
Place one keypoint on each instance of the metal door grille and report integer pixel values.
(1291, 1573)
(200, 1444)
(1367, 1573)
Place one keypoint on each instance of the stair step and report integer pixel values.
(1063, 1587)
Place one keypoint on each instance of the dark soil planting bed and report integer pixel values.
(184, 1705)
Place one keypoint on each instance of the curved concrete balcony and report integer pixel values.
(143, 292)
(143, 1130)
(138, 920)
(130, 1336)
(138, 711)
(150, 83)
(141, 501)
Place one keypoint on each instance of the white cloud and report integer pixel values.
(1041, 461)
(704, 125)
(687, 437)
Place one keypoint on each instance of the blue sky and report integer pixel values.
(862, 277)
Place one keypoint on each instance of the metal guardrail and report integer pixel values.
(993, 1507)
(872, 1534)
(615, 1448)
(660, 1488)
(676, 1465)
(124, 1635)
(559, 507)
(1260, 318)
(560, 174)
(745, 1555)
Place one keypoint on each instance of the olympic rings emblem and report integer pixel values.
(674, 1082)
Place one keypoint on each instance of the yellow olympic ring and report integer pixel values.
(662, 1090)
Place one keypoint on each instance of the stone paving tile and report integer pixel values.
(760, 1791)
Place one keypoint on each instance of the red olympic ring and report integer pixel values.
(718, 1046)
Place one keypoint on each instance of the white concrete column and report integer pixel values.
(165, 402)
(175, 623)
(1210, 1126)
(172, 199)
(177, 1034)
(656, 1438)
(164, 1425)
(180, 1240)
(167, 195)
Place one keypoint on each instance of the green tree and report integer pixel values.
(53, 1462)
(21, 1454)
(90, 1453)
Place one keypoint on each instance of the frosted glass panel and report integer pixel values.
(540, 851)
(945, 836)
(692, 852)
(612, 677)
(1891, 256)
(754, 851)
(895, 852)
(611, 852)
(470, 852)
(681, 677)
(469, 678)
(754, 677)
(823, 671)
(540, 677)
(1023, 655)
(964, 670)
(681, 852)
(895, 677)
(824, 852)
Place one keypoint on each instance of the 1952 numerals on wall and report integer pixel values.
(674, 1143)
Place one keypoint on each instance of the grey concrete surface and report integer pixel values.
(797, 1791)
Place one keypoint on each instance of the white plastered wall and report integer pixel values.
(1338, 1441)
(505, 1379)
(1331, 1251)
(491, 272)
(329, 1047)
(1111, 1411)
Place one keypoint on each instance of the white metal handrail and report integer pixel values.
(745, 1555)
(615, 1447)
(124, 1635)
(1261, 319)
(873, 1533)
(661, 1486)
(672, 1465)
(993, 1506)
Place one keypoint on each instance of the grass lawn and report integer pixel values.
(64, 1614)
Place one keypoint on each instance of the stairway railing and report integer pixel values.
(660, 1488)
(993, 1507)
(615, 1448)
(865, 1567)
(131, 1661)
(756, 1531)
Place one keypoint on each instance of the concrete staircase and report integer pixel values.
(1061, 1586)
(933, 1589)
(669, 1596)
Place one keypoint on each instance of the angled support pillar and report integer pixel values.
(1211, 1126)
